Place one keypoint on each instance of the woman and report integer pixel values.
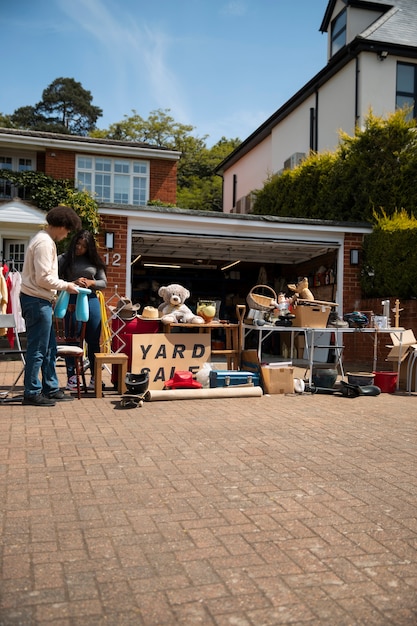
(84, 265)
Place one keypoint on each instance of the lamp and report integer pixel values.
(109, 241)
(166, 265)
(227, 267)
(382, 55)
(354, 256)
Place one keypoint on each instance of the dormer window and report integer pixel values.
(338, 37)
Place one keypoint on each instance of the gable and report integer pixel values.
(19, 212)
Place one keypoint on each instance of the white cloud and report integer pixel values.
(235, 8)
(137, 55)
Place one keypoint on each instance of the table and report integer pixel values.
(232, 341)
(310, 334)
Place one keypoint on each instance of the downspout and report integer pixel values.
(314, 124)
(357, 72)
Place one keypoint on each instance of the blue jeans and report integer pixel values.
(92, 333)
(41, 347)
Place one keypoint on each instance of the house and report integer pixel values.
(119, 173)
(216, 255)
(371, 64)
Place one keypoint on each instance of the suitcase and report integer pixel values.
(229, 378)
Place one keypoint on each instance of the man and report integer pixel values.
(40, 283)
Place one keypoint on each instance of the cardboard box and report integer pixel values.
(409, 345)
(278, 379)
(311, 315)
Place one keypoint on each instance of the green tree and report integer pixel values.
(66, 107)
(5, 121)
(373, 169)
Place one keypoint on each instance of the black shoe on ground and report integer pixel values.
(60, 396)
(38, 400)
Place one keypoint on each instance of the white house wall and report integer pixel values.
(375, 89)
(336, 108)
(292, 135)
(359, 20)
(377, 85)
(254, 169)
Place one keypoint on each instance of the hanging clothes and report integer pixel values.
(4, 296)
(14, 281)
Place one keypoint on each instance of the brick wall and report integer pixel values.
(116, 259)
(60, 164)
(359, 347)
(163, 181)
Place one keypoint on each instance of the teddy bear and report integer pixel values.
(173, 308)
(301, 291)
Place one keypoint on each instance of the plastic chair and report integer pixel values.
(70, 335)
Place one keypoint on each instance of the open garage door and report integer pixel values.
(216, 252)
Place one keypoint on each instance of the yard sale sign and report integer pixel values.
(161, 354)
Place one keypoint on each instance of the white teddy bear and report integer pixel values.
(173, 309)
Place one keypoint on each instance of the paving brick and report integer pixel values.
(235, 512)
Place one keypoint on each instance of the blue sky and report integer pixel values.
(222, 66)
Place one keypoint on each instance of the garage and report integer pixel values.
(222, 256)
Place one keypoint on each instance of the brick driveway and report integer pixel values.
(240, 512)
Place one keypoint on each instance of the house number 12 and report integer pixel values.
(113, 259)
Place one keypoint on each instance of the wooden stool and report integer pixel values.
(118, 359)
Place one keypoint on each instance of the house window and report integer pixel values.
(338, 37)
(14, 163)
(407, 87)
(121, 181)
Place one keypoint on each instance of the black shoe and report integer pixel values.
(38, 400)
(60, 396)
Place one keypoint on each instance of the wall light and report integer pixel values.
(109, 241)
(382, 55)
(354, 256)
(226, 267)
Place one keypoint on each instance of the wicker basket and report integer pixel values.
(260, 301)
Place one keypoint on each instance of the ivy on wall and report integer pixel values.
(46, 192)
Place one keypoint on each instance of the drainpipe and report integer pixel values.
(357, 72)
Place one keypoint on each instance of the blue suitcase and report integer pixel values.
(229, 378)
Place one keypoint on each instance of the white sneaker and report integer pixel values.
(93, 386)
(72, 383)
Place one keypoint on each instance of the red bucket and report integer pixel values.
(386, 381)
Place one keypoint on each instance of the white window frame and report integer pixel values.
(113, 179)
(19, 162)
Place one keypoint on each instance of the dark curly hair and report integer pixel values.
(64, 216)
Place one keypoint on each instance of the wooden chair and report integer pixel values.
(70, 336)
(7, 320)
